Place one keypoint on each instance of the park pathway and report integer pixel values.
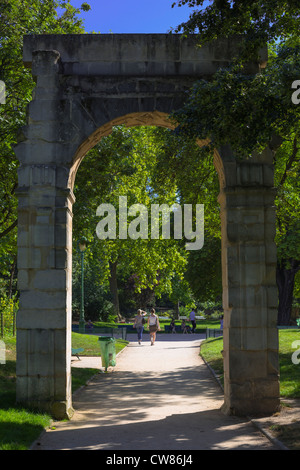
(160, 397)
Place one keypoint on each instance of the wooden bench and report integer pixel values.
(168, 329)
(75, 352)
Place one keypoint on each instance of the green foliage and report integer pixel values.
(123, 164)
(8, 309)
(204, 272)
(289, 372)
(288, 201)
(254, 22)
(97, 298)
(244, 110)
(251, 112)
(184, 163)
(18, 18)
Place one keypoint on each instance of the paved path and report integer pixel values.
(159, 397)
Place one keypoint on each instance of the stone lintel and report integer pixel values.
(135, 54)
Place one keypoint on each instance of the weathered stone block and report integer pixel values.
(272, 296)
(43, 300)
(43, 235)
(29, 258)
(39, 318)
(45, 62)
(247, 365)
(254, 339)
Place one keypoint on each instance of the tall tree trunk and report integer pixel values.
(113, 285)
(285, 279)
(11, 277)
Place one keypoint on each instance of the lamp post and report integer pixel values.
(81, 247)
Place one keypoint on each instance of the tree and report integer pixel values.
(288, 224)
(255, 23)
(123, 164)
(252, 112)
(20, 17)
(191, 168)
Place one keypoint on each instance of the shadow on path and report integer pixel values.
(157, 398)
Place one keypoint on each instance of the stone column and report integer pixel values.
(44, 252)
(251, 377)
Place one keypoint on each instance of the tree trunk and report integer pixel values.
(11, 277)
(285, 279)
(113, 285)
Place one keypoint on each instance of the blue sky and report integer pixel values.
(132, 16)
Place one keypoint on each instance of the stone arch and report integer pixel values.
(155, 118)
(85, 84)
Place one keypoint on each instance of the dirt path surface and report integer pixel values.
(159, 397)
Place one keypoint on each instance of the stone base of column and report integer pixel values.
(44, 366)
(58, 410)
(252, 399)
(61, 410)
(265, 407)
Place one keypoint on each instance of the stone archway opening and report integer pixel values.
(135, 120)
(84, 83)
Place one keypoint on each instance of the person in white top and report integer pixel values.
(153, 325)
(193, 320)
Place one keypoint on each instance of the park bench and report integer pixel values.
(197, 317)
(75, 352)
(169, 330)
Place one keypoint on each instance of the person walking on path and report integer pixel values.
(193, 320)
(153, 325)
(139, 324)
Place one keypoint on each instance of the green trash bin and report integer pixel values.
(108, 351)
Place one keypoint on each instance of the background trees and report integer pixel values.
(150, 165)
(17, 18)
(158, 165)
(251, 112)
(124, 164)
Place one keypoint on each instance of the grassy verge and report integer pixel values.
(289, 372)
(19, 427)
(91, 345)
(211, 351)
(288, 434)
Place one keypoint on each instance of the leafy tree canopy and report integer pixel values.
(18, 18)
(256, 22)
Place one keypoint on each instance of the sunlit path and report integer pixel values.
(157, 397)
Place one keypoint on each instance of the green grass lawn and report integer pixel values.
(91, 344)
(288, 434)
(289, 372)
